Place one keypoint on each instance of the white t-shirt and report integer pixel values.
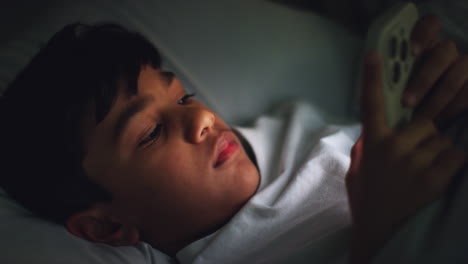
(300, 211)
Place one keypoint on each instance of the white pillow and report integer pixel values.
(27, 239)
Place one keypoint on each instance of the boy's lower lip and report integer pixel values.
(229, 149)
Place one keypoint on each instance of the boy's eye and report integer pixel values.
(184, 98)
(153, 136)
(156, 133)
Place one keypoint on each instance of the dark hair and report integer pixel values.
(43, 110)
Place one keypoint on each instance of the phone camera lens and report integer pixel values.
(396, 72)
(404, 50)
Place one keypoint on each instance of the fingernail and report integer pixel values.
(416, 49)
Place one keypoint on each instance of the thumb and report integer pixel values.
(373, 109)
(356, 156)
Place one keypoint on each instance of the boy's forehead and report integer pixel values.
(147, 79)
(124, 94)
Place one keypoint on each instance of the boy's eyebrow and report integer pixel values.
(127, 114)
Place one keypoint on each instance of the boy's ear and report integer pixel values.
(96, 225)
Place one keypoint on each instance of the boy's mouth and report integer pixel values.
(226, 148)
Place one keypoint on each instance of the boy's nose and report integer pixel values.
(202, 121)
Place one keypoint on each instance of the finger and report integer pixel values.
(445, 90)
(457, 106)
(436, 63)
(356, 150)
(372, 99)
(356, 155)
(414, 134)
(443, 168)
(352, 178)
(425, 34)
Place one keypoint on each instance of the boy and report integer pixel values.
(136, 158)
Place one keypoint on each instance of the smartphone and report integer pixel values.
(390, 36)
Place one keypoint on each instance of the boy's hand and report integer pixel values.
(392, 173)
(439, 84)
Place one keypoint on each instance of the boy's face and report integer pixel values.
(174, 168)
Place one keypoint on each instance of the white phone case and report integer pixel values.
(390, 35)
